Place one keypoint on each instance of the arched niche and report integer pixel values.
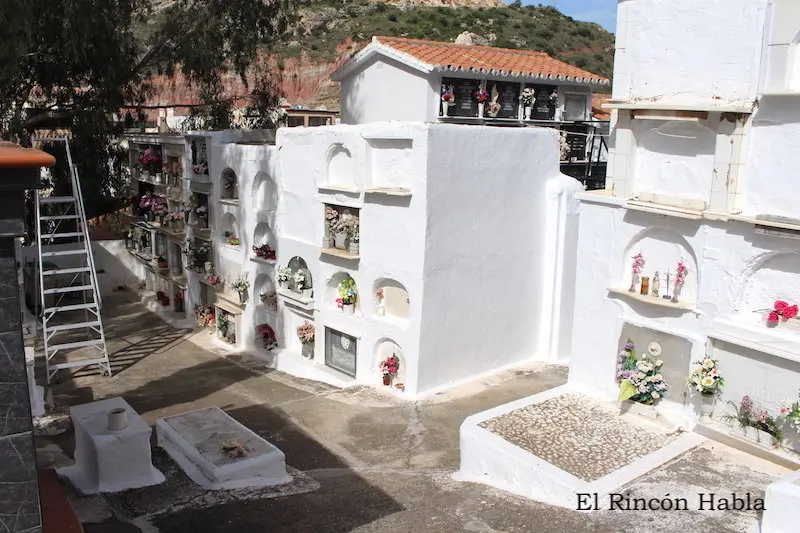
(263, 235)
(340, 167)
(661, 248)
(266, 338)
(230, 227)
(295, 264)
(265, 193)
(332, 290)
(769, 277)
(264, 290)
(393, 297)
(229, 184)
(384, 349)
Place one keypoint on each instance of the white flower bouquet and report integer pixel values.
(705, 377)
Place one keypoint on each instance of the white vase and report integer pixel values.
(327, 241)
(348, 309)
(381, 310)
(283, 285)
(307, 293)
(117, 419)
(308, 350)
(480, 109)
(528, 110)
(340, 240)
(354, 248)
(445, 105)
(707, 402)
(209, 268)
(676, 291)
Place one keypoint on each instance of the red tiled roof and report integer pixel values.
(597, 106)
(488, 60)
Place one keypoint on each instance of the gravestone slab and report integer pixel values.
(195, 441)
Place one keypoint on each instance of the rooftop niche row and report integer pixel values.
(387, 162)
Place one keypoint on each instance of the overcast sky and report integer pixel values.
(603, 12)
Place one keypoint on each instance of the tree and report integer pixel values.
(77, 63)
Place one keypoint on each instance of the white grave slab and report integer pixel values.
(107, 460)
(782, 499)
(195, 440)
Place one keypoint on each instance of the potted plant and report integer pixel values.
(448, 98)
(222, 325)
(267, 336)
(527, 98)
(306, 335)
(706, 379)
(389, 368)
(301, 284)
(379, 298)
(482, 96)
(755, 425)
(347, 296)
(240, 285)
(640, 381)
(331, 219)
(283, 277)
(264, 251)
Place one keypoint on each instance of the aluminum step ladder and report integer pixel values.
(62, 235)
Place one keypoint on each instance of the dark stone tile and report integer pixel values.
(10, 315)
(19, 507)
(12, 357)
(15, 409)
(18, 460)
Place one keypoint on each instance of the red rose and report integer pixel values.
(772, 318)
(790, 312)
(780, 305)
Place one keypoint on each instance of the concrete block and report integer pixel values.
(782, 499)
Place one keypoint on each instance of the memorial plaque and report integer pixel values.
(509, 100)
(340, 351)
(542, 104)
(465, 104)
(576, 138)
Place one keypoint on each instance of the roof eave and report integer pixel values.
(524, 76)
(378, 48)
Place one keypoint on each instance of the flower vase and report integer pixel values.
(676, 291)
(283, 285)
(307, 293)
(340, 240)
(445, 105)
(381, 310)
(480, 109)
(243, 297)
(634, 282)
(308, 350)
(354, 248)
(707, 402)
(158, 178)
(528, 110)
(327, 241)
(387, 380)
(348, 309)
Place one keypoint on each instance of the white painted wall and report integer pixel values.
(385, 89)
(682, 51)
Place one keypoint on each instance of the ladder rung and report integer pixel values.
(60, 217)
(74, 288)
(57, 199)
(64, 252)
(74, 307)
(78, 344)
(65, 271)
(62, 235)
(65, 327)
(83, 362)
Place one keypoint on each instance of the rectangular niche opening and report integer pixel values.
(342, 231)
(676, 354)
(391, 164)
(341, 351)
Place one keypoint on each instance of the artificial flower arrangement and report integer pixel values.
(214, 279)
(232, 239)
(347, 293)
(241, 283)
(639, 378)
(379, 294)
(790, 410)
(264, 251)
(527, 96)
(563, 146)
(637, 265)
(204, 314)
(161, 262)
(201, 210)
(331, 217)
(159, 206)
(235, 449)
(481, 95)
(705, 377)
(781, 310)
(270, 300)
(306, 332)
(299, 281)
(146, 202)
(447, 95)
(200, 168)
(150, 161)
(223, 324)
(389, 368)
(267, 336)
(284, 274)
(747, 415)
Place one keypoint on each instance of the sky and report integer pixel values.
(603, 12)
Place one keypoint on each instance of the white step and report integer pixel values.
(64, 252)
(62, 235)
(65, 327)
(76, 307)
(82, 362)
(78, 344)
(57, 199)
(60, 217)
(75, 288)
(65, 271)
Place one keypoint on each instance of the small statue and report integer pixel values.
(655, 286)
(666, 294)
(494, 106)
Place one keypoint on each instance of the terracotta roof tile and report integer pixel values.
(488, 60)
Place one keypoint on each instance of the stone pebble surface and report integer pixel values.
(579, 435)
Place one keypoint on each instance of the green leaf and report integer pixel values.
(626, 390)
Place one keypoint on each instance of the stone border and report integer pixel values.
(489, 459)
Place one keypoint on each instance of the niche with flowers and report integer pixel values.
(299, 276)
(391, 299)
(230, 230)
(771, 285)
(229, 185)
(264, 290)
(384, 349)
(342, 293)
(264, 242)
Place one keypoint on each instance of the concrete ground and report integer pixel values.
(370, 462)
